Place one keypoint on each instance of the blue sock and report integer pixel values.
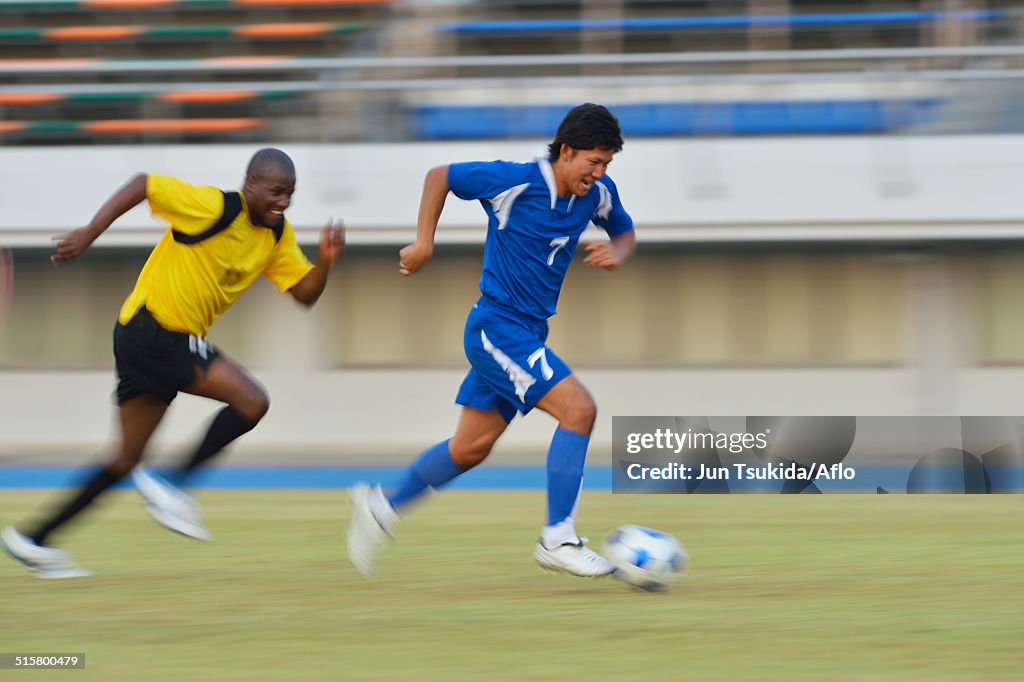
(566, 455)
(432, 469)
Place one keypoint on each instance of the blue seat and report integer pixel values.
(652, 119)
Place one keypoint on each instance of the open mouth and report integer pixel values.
(274, 217)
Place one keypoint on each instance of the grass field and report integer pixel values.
(810, 587)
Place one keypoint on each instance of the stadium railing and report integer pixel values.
(744, 21)
(491, 28)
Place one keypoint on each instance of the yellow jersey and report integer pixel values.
(195, 273)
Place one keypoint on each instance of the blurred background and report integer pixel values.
(827, 198)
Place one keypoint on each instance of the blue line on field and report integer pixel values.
(482, 478)
(867, 479)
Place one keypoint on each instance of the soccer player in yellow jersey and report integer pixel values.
(217, 244)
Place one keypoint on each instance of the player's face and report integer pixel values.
(269, 195)
(581, 168)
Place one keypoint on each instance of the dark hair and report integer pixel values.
(587, 126)
(266, 159)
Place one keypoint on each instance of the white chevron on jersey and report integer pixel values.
(502, 204)
(604, 205)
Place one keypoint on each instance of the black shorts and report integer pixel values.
(151, 359)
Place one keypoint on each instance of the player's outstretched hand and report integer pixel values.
(72, 245)
(413, 257)
(601, 255)
(332, 241)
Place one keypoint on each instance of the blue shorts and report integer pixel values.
(511, 368)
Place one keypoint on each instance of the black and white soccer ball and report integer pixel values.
(645, 558)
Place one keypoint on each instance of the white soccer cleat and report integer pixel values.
(574, 558)
(44, 562)
(172, 508)
(371, 527)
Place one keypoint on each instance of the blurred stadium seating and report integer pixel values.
(108, 71)
(54, 89)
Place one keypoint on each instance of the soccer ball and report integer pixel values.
(645, 558)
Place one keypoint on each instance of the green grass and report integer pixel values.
(814, 587)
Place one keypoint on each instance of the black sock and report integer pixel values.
(97, 483)
(226, 427)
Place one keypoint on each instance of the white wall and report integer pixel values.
(368, 415)
(830, 188)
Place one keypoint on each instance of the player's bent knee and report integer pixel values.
(254, 403)
(256, 408)
(580, 417)
(470, 455)
(468, 460)
(263, 405)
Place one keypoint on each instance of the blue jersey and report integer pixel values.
(531, 231)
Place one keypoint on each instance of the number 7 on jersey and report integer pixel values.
(558, 243)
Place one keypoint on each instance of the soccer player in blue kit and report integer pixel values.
(536, 213)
